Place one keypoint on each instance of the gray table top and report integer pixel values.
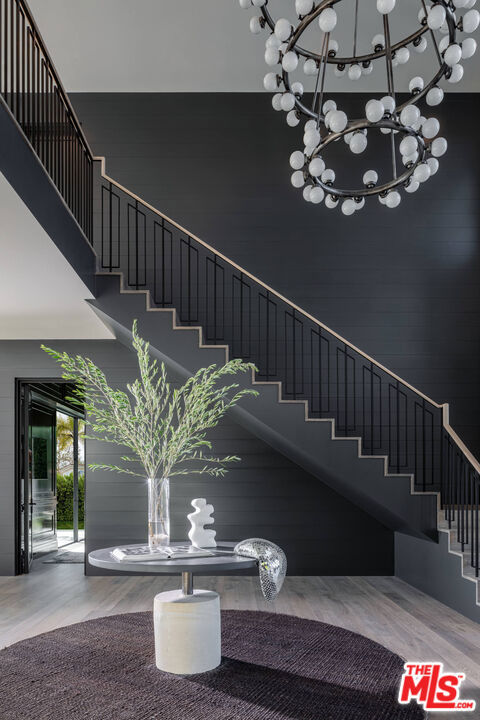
(215, 565)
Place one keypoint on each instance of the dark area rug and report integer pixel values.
(66, 557)
(274, 667)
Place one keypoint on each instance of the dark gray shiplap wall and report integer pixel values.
(402, 285)
(264, 495)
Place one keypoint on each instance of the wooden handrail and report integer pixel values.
(443, 406)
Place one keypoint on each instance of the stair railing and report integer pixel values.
(233, 307)
(33, 93)
(288, 345)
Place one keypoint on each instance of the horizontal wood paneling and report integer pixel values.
(264, 495)
(402, 285)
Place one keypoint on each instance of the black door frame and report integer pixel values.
(21, 421)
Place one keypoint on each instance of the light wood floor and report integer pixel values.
(383, 608)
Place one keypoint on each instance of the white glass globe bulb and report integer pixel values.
(272, 56)
(378, 40)
(402, 55)
(277, 101)
(470, 4)
(412, 186)
(306, 192)
(408, 145)
(303, 7)
(316, 167)
(457, 74)
(255, 26)
(421, 46)
(460, 3)
(409, 115)
(430, 128)
(297, 160)
(245, 4)
(381, 200)
(311, 137)
(438, 147)
(367, 70)
(332, 46)
(433, 164)
(338, 121)
(469, 48)
(327, 117)
(310, 67)
(329, 105)
(421, 173)
(434, 96)
(436, 17)
(327, 20)
(358, 143)
(409, 160)
(297, 88)
(287, 101)
(359, 204)
(444, 43)
(297, 179)
(471, 21)
(370, 177)
(310, 124)
(270, 81)
(259, 3)
(272, 41)
(348, 137)
(290, 61)
(354, 72)
(348, 206)
(393, 199)
(292, 119)
(388, 103)
(374, 110)
(317, 194)
(416, 84)
(328, 176)
(331, 202)
(453, 54)
(385, 6)
(283, 29)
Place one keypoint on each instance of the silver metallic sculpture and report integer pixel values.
(272, 564)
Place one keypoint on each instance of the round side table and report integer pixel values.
(186, 621)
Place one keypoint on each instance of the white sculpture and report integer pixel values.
(198, 535)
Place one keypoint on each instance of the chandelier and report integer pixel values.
(304, 51)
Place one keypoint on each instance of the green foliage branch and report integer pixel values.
(164, 428)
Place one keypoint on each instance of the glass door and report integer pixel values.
(38, 487)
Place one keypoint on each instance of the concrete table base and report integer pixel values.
(187, 621)
(187, 631)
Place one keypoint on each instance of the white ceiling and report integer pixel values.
(200, 45)
(41, 297)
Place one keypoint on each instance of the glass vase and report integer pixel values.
(158, 512)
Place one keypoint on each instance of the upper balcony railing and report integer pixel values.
(32, 90)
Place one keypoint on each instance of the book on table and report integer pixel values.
(143, 553)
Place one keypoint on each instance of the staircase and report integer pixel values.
(323, 402)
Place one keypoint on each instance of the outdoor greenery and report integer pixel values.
(65, 501)
(65, 436)
(164, 428)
